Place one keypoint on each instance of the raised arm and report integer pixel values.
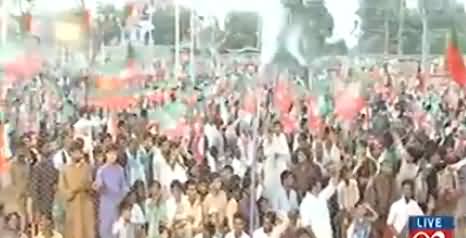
(330, 189)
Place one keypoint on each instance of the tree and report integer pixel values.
(302, 39)
(164, 22)
(241, 30)
(441, 14)
(376, 13)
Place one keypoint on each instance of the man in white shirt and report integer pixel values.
(83, 129)
(214, 136)
(62, 157)
(401, 210)
(238, 228)
(314, 211)
(177, 204)
(286, 199)
(168, 169)
(267, 230)
(277, 159)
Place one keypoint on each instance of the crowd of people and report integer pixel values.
(237, 174)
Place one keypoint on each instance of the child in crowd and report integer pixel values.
(138, 213)
(361, 225)
(46, 228)
(123, 227)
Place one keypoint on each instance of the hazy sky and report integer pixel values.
(343, 11)
(212, 5)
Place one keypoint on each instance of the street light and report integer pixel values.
(177, 38)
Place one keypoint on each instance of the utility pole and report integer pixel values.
(425, 35)
(386, 27)
(4, 21)
(401, 25)
(177, 39)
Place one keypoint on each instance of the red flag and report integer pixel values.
(27, 22)
(454, 59)
(289, 123)
(349, 103)
(313, 119)
(250, 103)
(130, 13)
(3, 155)
(113, 103)
(25, 66)
(156, 97)
(130, 9)
(198, 144)
(87, 20)
(109, 83)
(282, 97)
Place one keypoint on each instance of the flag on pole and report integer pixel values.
(455, 62)
(349, 102)
(87, 20)
(3, 148)
(129, 10)
(129, 13)
(26, 22)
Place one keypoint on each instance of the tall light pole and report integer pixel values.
(425, 35)
(401, 25)
(192, 45)
(177, 39)
(4, 21)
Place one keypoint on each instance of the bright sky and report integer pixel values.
(206, 5)
(343, 11)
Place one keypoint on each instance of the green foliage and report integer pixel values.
(241, 30)
(317, 25)
(106, 10)
(441, 16)
(164, 21)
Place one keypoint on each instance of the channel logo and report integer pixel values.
(431, 227)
